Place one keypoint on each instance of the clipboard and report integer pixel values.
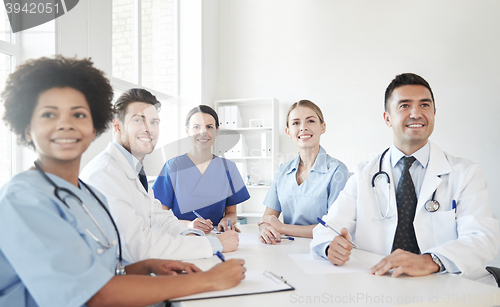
(255, 282)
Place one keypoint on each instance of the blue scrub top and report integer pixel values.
(301, 205)
(181, 187)
(47, 258)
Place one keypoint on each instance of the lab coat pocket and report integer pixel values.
(444, 226)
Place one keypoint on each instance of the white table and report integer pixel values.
(346, 289)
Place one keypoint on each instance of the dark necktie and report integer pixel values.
(143, 178)
(406, 199)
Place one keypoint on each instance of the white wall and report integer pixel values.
(34, 43)
(339, 54)
(343, 54)
(84, 32)
(190, 55)
(197, 55)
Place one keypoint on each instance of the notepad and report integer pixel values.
(255, 282)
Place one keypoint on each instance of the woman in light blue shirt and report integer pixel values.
(305, 187)
(58, 242)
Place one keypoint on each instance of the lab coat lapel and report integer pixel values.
(386, 166)
(385, 196)
(120, 158)
(438, 165)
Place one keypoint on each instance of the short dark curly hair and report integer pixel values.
(33, 77)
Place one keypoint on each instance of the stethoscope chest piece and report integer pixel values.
(432, 205)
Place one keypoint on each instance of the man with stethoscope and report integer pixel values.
(427, 211)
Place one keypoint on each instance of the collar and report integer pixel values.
(422, 155)
(134, 163)
(319, 166)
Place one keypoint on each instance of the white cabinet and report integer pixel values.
(248, 136)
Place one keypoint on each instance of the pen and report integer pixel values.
(197, 215)
(201, 217)
(221, 256)
(228, 224)
(288, 238)
(328, 226)
(454, 206)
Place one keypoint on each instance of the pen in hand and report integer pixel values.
(328, 226)
(197, 215)
(228, 224)
(221, 256)
(201, 217)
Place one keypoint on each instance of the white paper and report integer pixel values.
(370, 259)
(255, 282)
(249, 238)
(311, 265)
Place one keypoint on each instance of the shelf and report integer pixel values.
(249, 145)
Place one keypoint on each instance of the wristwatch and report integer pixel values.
(438, 262)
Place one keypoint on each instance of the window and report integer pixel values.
(5, 134)
(8, 51)
(144, 50)
(144, 54)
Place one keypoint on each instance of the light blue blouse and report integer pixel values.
(47, 258)
(302, 204)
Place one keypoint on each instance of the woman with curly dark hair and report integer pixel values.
(58, 242)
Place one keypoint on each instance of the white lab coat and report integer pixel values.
(146, 230)
(470, 238)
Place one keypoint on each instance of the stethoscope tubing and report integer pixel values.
(56, 193)
(435, 204)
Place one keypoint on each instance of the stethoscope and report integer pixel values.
(431, 205)
(120, 269)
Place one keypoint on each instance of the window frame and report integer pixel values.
(14, 50)
(123, 85)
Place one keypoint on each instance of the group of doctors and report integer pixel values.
(425, 210)
(59, 242)
(149, 231)
(428, 215)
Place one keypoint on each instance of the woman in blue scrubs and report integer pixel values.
(305, 187)
(200, 181)
(58, 244)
